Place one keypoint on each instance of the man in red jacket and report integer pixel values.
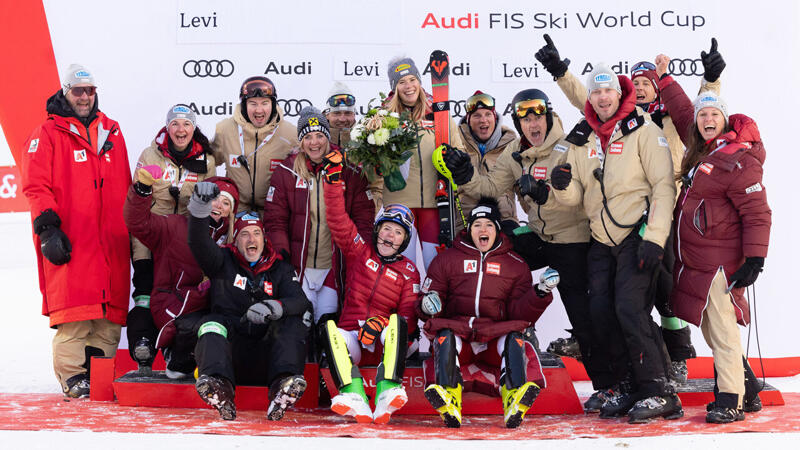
(75, 175)
(478, 300)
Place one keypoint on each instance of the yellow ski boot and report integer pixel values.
(516, 402)
(446, 401)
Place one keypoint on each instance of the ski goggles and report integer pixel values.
(78, 91)
(644, 65)
(341, 100)
(398, 213)
(536, 106)
(480, 101)
(257, 88)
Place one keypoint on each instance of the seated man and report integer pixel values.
(180, 291)
(259, 318)
(378, 310)
(478, 301)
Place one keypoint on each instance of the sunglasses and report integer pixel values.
(480, 101)
(644, 65)
(342, 99)
(399, 212)
(536, 105)
(257, 88)
(78, 91)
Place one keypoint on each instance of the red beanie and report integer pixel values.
(651, 75)
(246, 220)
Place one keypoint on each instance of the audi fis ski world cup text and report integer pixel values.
(564, 20)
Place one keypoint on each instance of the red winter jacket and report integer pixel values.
(372, 288)
(484, 296)
(178, 282)
(286, 211)
(81, 173)
(721, 219)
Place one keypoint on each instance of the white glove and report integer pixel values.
(431, 303)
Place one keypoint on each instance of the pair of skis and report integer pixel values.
(447, 200)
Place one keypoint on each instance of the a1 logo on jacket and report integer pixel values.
(470, 266)
(80, 155)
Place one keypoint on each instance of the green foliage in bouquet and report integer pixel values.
(382, 141)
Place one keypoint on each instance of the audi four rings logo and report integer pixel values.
(291, 107)
(687, 67)
(203, 68)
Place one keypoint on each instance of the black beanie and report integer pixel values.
(487, 208)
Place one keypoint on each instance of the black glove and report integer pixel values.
(260, 312)
(537, 190)
(55, 244)
(459, 164)
(175, 192)
(649, 255)
(747, 274)
(561, 176)
(200, 203)
(550, 59)
(712, 62)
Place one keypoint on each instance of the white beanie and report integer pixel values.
(338, 88)
(76, 74)
(708, 99)
(602, 77)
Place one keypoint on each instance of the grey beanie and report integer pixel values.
(400, 67)
(708, 99)
(181, 111)
(602, 77)
(76, 74)
(312, 120)
(338, 88)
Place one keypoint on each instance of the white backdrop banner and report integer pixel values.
(149, 55)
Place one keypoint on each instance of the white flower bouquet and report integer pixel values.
(381, 142)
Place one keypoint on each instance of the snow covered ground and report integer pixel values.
(26, 367)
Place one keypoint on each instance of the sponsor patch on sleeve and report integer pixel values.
(369, 194)
(426, 285)
(561, 148)
(410, 267)
(357, 239)
(662, 141)
(270, 193)
(273, 164)
(754, 188)
(415, 288)
(34, 146)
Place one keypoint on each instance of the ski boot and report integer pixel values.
(597, 400)
(749, 406)
(283, 393)
(144, 353)
(352, 404)
(619, 401)
(77, 386)
(517, 401)
(217, 392)
(565, 347)
(666, 406)
(388, 402)
(446, 401)
(678, 372)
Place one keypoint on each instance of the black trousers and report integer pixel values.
(253, 355)
(678, 342)
(621, 301)
(570, 262)
(140, 325)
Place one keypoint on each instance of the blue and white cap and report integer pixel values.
(709, 99)
(602, 77)
(181, 111)
(76, 74)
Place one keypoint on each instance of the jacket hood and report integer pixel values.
(556, 134)
(195, 153)
(627, 104)
(501, 136)
(57, 105)
(743, 137)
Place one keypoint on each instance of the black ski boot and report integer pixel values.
(748, 406)
(678, 372)
(666, 406)
(719, 414)
(597, 400)
(620, 400)
(144, 352)
(566, 347)
(77, 386)
(217, 392)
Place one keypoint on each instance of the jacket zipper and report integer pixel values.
(178, 200)
(421, 184)
(538, 207)
(375, 286)
(253, 176)
(317, 226)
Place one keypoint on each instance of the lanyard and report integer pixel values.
(601, 154)
(241, 140)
